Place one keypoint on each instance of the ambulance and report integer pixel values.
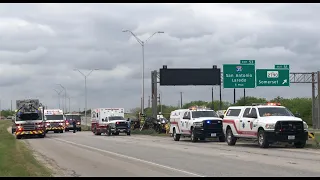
(54, 120)
(197, 123)
(109, 121)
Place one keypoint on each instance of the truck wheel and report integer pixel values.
(193, 136)
(67, 130)
(231, 140)
(262, 139)
(61, 131)
(222, 139)
(41, 135)
(18, 137)
(176, 137)
(128, 133)
(300, 144)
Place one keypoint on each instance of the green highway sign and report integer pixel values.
(282, 66)
(273, 77)
(247, 61)
(239, 76)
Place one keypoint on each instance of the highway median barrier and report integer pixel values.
(16, 160)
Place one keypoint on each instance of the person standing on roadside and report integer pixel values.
(74, 123)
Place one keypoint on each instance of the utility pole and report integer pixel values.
(65, 98)
(180, 99)
(244, 96)
(212, 104)
(142, 43)
(149, 102)
(58, 92)
(85, 90)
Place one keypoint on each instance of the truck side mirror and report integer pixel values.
(297, 115)
(102, 119)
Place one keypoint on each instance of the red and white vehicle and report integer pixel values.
(55, 120)
(267, 123)
(109, 121)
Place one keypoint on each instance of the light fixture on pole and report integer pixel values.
(65, 98)
(142, 43)
(85, 90)
(58, 95)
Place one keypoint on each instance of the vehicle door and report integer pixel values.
(184, 121)
(244, 122)
(247, 122)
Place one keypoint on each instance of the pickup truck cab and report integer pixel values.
(197, 123)
(267, 123)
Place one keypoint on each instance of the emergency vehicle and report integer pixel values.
(267, 123)
(109, 121)
(69, 120)
(29, 119)
(197, 123)
(54, 119)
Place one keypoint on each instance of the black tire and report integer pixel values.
(300, 144)
(262, 139)
(231, 140)
(176, 137)
(61, 131)
(222, 139)
(18, 137)
(42, 135)
(55, 131)
(96, 132)
(66, 130)
(128, 133)
(202, 139)
(193, 137)
(79, 129)
(116, 133)
(109, 131)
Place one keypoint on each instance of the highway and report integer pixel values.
(83, 154)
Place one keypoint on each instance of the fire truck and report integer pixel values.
(29, 119)
(73, 117)
(54, 119)
(197, 123)
(109, 121)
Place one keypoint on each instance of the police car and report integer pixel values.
(267, 123)
(197, 123)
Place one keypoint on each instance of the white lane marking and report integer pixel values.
(129, 157)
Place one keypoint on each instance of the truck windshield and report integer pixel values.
(198, 114)
(54, 117)
(29, 116)
(73, 117)
(113, 118)
(274, 111)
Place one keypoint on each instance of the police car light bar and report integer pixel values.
(266, 104)
(197, 107)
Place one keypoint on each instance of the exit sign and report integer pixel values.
(247, 61)
(282, 66)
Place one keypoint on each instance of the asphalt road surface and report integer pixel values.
(83, 154)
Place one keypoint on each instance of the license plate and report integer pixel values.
(213, 134)
(291, 137)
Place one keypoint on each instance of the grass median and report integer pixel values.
(16, 160)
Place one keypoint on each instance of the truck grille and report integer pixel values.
(54, 124)
(122, 125)
(29, 127)
(289, 126)
(212, 124)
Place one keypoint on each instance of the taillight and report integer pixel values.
(117, 122)
(78, 123)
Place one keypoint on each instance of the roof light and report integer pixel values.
(266, 104)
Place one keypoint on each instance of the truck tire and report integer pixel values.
(176, 137)
(128, 133)
(193, 136)
(66, 130)
(42, 135)
(61, 131)
(300, 144)
(18, 137)
(262, 139)
(222, 139)
(231, 140)
(109, 131)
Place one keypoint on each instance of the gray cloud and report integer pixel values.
(41, 44)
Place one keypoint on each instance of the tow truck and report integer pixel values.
(196, 122)
(267, 123)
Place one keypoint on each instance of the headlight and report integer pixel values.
(270, 126)
(305, 125)
(198, 124)
(60, 124)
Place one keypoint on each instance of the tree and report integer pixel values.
(249, 101)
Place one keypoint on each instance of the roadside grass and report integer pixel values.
(16, 160)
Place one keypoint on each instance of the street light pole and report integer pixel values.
(58, 95)
(142, 43)
(65, 98)
(85, 90)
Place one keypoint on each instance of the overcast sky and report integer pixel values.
(41, 44)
